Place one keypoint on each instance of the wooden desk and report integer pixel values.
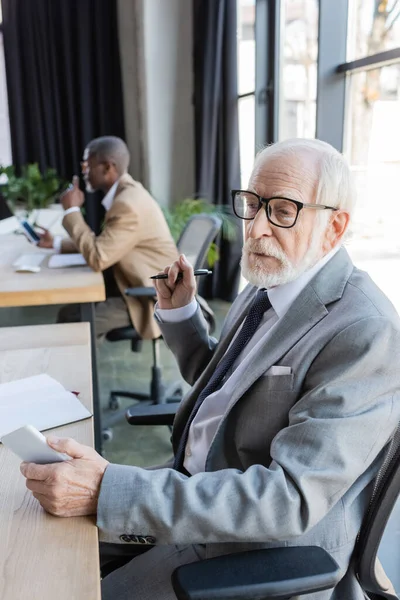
(44, 557)
(49, 286)
(52, 286)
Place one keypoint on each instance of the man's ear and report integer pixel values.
(336, 229)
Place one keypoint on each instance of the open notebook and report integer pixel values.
(40, 401)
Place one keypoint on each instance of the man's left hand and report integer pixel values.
(70, 488)
(73, 195)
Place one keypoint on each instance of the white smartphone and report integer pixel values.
(31, 445)
(29, 232)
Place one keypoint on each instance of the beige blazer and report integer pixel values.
(135, 241)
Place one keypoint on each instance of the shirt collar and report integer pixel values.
(282, 296)
(109, 197)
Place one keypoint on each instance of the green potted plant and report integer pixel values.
(180, 213)
(31, 189)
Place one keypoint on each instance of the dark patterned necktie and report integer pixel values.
(260, 304)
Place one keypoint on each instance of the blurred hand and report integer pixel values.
(173, 292)
(71, 488)
(46, 238)
(72, 195)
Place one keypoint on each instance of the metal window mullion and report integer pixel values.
(374, 61)
(267, 36)
(331, 86)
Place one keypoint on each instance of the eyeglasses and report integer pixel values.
(85, 164)
(282, 212)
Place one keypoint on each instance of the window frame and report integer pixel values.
(331, 85)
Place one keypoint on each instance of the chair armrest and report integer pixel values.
(278, 573)
(153, 414)
(148, 292)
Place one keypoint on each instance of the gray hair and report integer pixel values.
(111, 149)
(335, 182)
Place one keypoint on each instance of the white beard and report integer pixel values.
(286, 271)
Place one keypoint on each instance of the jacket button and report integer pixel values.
(150, 539)
(125, 538)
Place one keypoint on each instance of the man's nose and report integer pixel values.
(260, 226)
(84, 167)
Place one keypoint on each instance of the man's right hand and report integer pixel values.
(46, 239)
(174, 292)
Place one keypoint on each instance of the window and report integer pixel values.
(298, 73)
(5, 140)
(246, 86)
(372, 130)
(373, 149)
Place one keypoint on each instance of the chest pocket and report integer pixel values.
(259, 415)
(276, 382)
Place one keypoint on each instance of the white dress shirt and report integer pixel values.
(106, 202)
(210, 413)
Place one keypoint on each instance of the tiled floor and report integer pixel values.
(119, 368)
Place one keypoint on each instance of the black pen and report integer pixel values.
(197, 273)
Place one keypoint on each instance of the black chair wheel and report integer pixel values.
(107, 435)
(114, 403)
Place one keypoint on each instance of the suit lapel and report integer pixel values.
(303, 315)
(305, 312)
(124, 181)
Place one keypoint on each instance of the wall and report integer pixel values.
(156, 58)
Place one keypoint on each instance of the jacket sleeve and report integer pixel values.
(336, 432)
(108, 248)
(194, 355)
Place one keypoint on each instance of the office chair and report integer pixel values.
(195, 240)
(281, 573)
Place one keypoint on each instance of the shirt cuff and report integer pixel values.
(57, 241)
(71, 210)
(175, 315)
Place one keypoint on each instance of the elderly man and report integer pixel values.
(285, 427)
(134, 243)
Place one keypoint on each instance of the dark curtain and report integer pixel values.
(216, 128)
(63, 80)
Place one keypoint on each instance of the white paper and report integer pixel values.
(66, 260)
(40, 401)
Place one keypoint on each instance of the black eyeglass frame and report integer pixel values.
(266, 201)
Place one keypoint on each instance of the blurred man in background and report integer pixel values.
(134, 244)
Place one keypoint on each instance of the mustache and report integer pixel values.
(264, 246)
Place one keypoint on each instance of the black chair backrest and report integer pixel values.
(197, 236)
(385, 493)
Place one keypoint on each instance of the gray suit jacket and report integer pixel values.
(294, 456)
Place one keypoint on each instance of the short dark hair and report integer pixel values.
(110, 148)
